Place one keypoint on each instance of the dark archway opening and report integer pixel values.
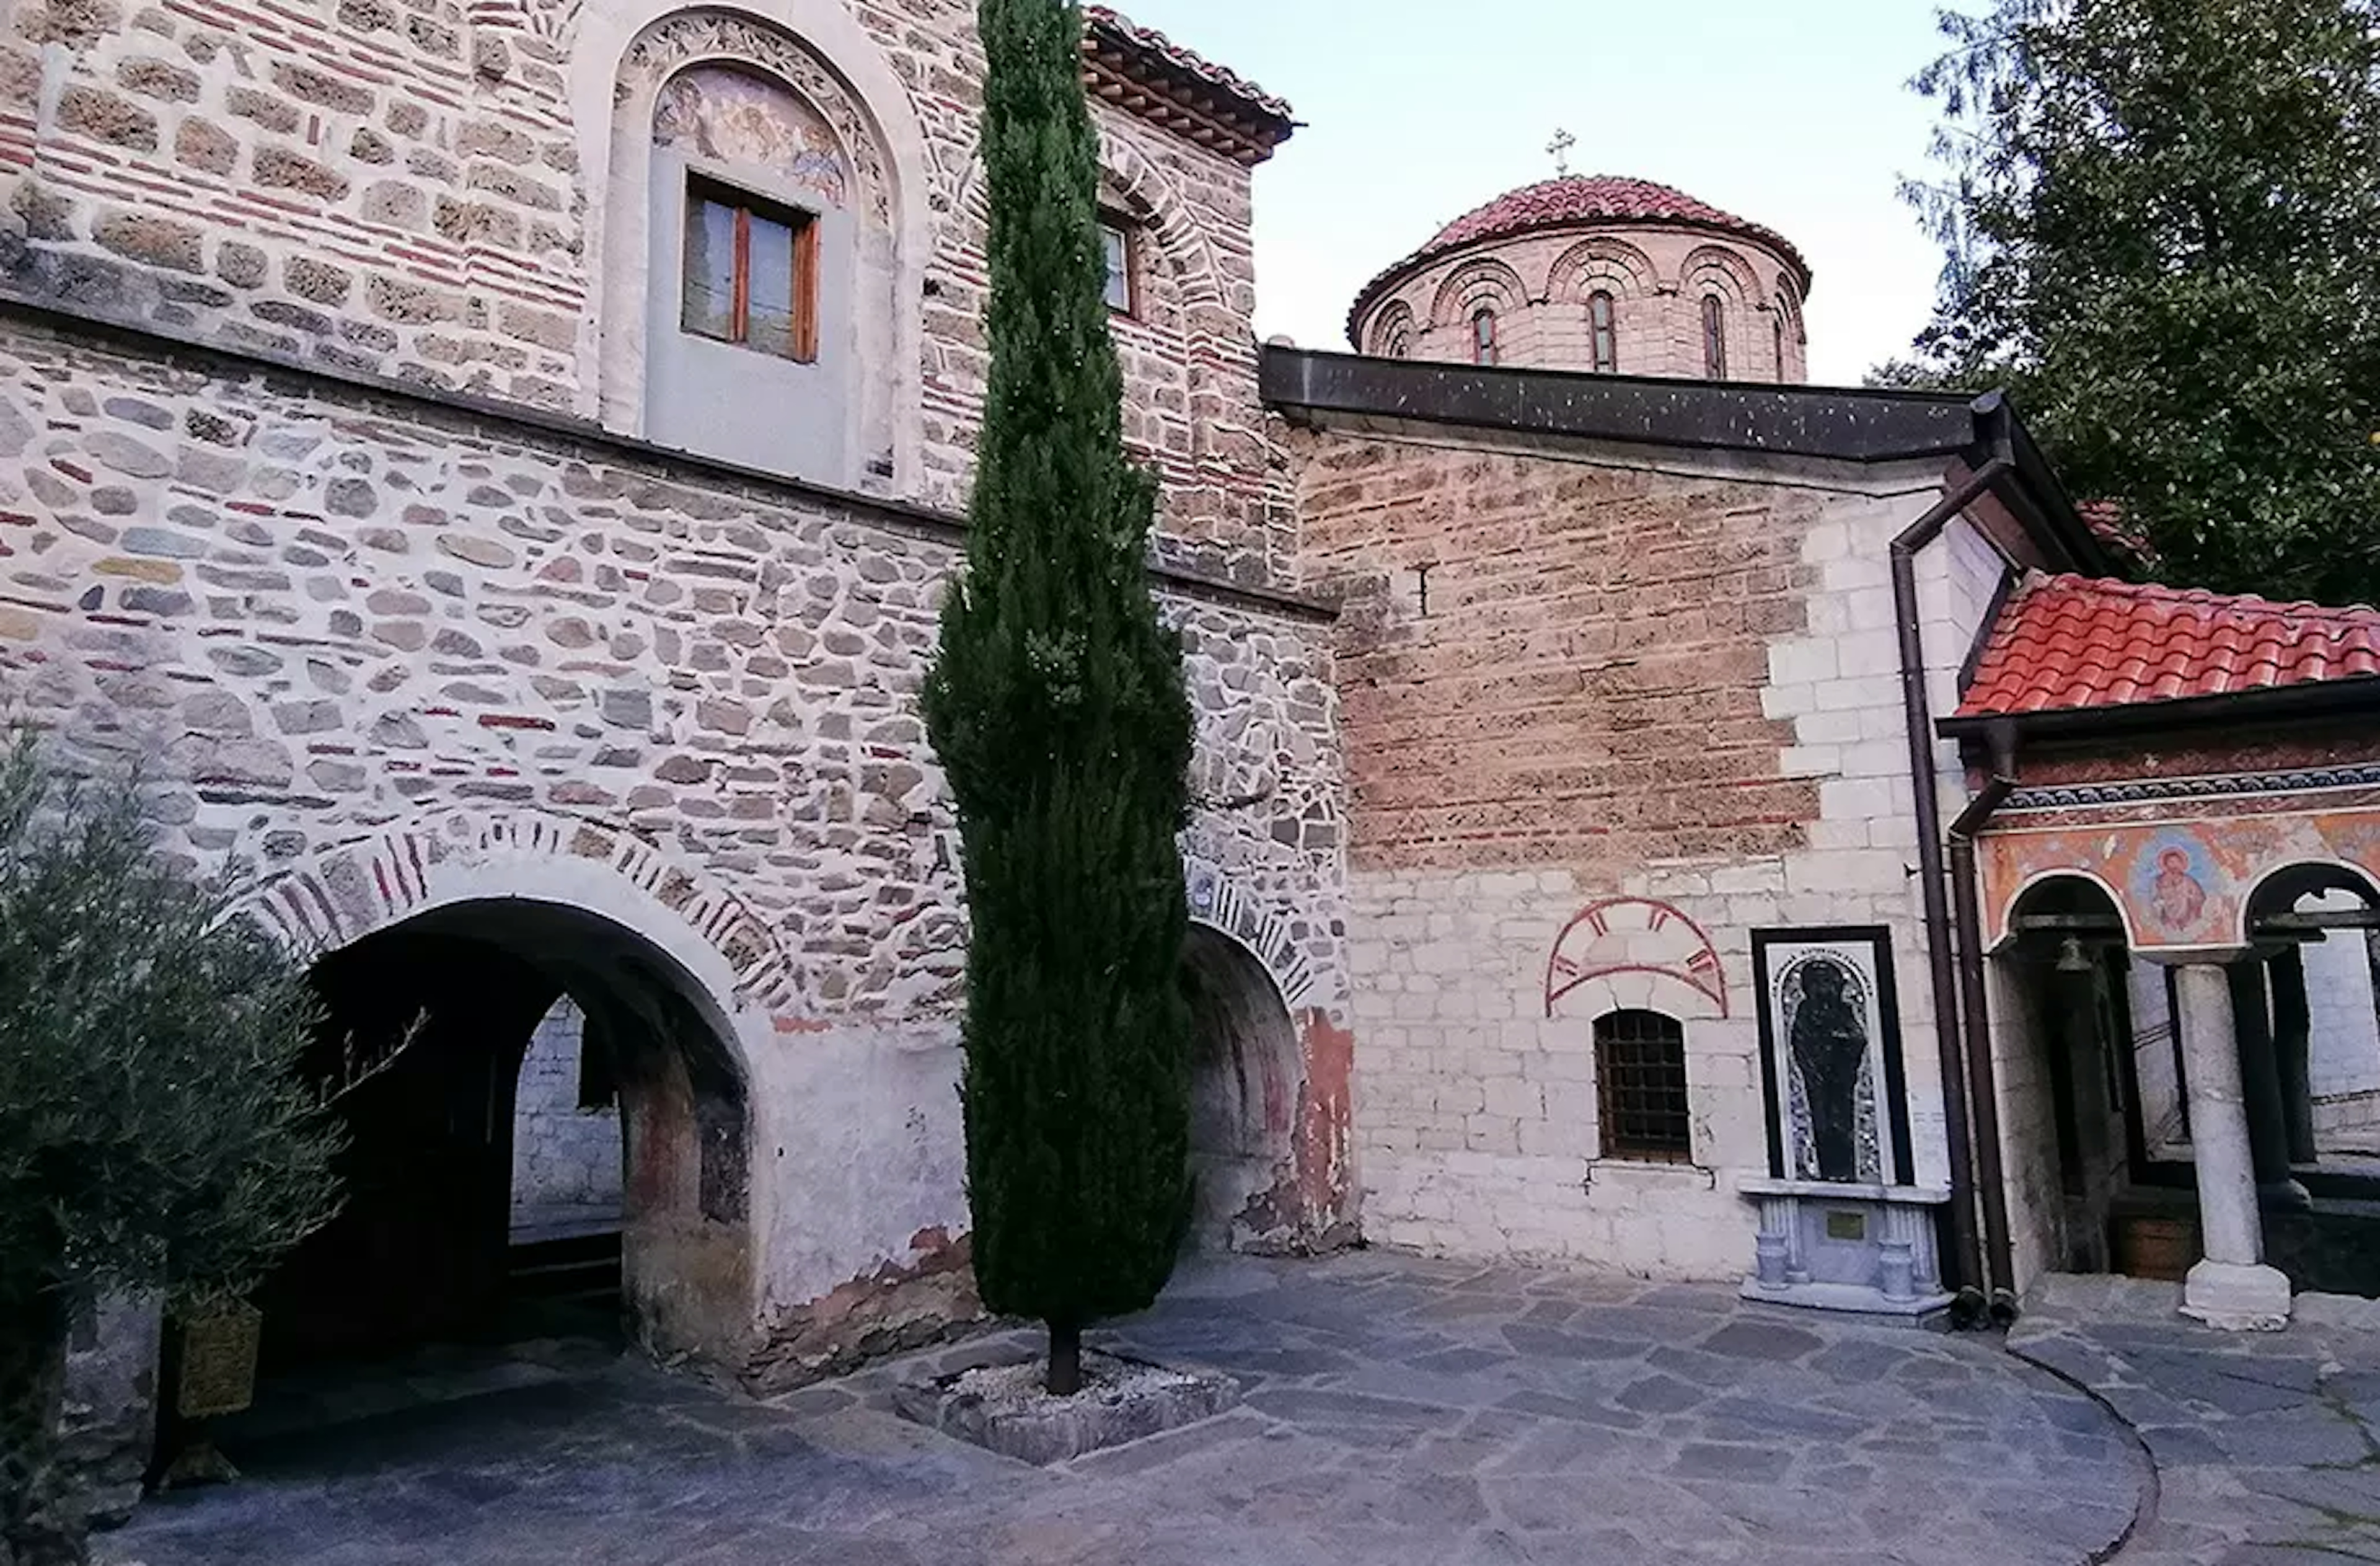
(432, 1256)
(2309, 1034)
(1244, 1094)
(2074, 976)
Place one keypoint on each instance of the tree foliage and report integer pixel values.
(1056, 704)
(2162, 224)
(154, 1132)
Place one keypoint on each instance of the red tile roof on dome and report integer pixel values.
(2071, 643)
(1575, 199)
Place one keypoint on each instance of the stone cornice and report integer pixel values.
(2153, 791)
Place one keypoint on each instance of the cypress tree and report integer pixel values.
(1057, 705)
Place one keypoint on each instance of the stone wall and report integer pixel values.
(2344, 1059)
(366, 641)
(432, 193)
(1538, 287)
(1607, 713)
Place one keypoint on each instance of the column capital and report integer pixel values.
(2193, 956)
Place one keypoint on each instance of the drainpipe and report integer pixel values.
(1974, 1020)
(1991, 412)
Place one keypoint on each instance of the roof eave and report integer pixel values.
(1861, 425)
(2356, 695)
(1143, 73)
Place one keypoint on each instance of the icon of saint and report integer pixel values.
(1829, 1041)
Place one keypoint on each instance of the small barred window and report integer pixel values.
(1640, 1076)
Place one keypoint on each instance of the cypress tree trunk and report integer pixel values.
(1065, 1360)
(1057, 708)
(35, 1527)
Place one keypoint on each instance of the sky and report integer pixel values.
(1795, 114)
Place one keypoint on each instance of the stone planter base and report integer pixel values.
(1002, 1407)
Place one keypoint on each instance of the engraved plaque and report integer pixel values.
(219, 1362)
(1851, 1226)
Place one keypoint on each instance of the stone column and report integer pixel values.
(2260, 1079)
(2292, 1047)
(2231, 1288)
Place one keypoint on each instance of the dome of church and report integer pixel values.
(1596, 200)
(1599, 273)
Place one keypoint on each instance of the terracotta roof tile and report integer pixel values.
(1205, 70)
(2068, 643)
(1576, 201)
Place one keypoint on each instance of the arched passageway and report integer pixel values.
(2074, 1094)
(436, 1015)
(1244, 1089)
(2100, 1098)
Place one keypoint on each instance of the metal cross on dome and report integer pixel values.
(1560, 147)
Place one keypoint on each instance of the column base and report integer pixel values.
(2236, 1297)
(2285, 1194)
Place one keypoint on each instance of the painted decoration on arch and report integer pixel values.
(735, 117)
(1830, 1066)
(1635, 935)
(2184, 882)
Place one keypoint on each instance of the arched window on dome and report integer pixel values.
(1603, 327)
(1714, 337)
(1483, 336)
(1779, 323)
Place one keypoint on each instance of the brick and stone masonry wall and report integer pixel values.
(406, 187)
(1589, 682)
(331, 617)
(1539, 285)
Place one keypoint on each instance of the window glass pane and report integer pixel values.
(769, 312)
(1115, 246)
(1607, 355)
(1483, 337)
(710, 308)
(1713, 338)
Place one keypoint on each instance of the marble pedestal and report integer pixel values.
(1865, 1249)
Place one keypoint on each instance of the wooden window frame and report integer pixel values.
(1714, 337)
(1126, 229)
(804, 227)
(1487, 342)
(1603, 336)
(1637, 1090)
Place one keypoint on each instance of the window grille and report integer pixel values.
(1640, 1076)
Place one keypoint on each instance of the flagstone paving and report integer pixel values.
(2266, 1445)
(1396, 1411)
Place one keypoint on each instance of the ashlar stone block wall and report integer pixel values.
(1657, 686)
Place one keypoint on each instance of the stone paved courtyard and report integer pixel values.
(1403, 1410)
(2266, 1446)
